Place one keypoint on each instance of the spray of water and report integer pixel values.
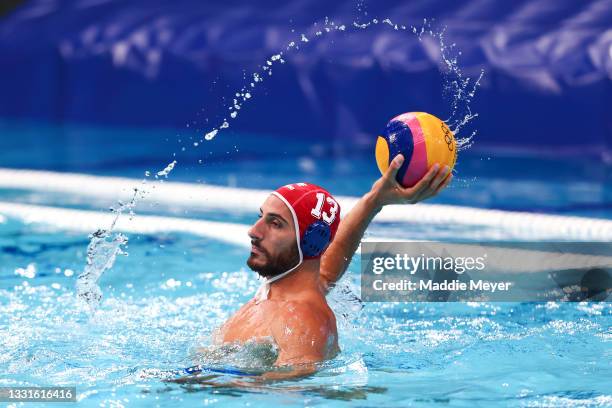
(106, 244)
(458, 89)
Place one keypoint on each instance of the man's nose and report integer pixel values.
(255, 231)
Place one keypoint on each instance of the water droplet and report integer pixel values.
(210, 135)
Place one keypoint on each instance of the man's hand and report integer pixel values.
(387, 190)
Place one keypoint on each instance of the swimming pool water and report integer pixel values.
(165, 299)
(168, 295)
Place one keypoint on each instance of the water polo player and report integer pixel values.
(300, 248)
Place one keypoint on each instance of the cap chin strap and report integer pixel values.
(264, 289)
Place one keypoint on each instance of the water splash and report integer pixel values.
(103, 248)
(458, 89)
(106, 244)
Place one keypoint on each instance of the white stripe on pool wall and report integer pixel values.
(171, 193)
(90, 221)
(179, 195)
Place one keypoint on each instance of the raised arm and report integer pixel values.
(386, 190)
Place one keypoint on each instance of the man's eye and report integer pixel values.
(276, 224)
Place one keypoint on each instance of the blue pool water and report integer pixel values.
(173, 290)
(164, 300)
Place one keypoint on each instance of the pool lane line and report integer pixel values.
(179, 195)
(89, 221)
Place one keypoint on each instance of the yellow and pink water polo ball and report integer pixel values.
(423, 139)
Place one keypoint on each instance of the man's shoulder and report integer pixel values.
(307, 311)
(306, 323)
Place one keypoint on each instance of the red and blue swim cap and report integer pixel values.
(316, 216)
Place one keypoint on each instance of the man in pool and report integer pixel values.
(300, 248)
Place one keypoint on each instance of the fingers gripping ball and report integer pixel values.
(423, 139)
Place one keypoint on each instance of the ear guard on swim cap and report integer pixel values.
(316, 216)
(315, 239)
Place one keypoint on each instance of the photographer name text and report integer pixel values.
(406, 285)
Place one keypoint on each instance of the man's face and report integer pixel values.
(273, 243)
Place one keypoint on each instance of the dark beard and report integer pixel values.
(276, 266)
